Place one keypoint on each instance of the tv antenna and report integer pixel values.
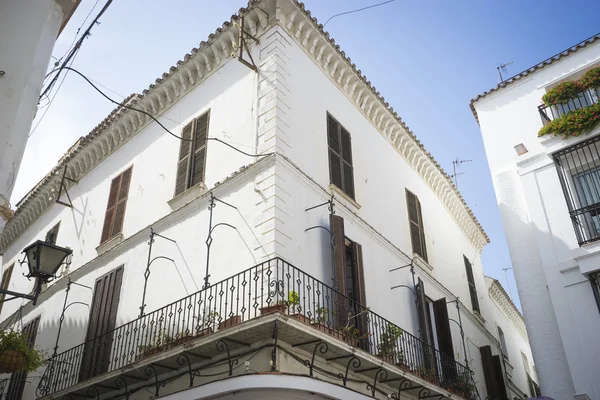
(502, 68)
(455, 163)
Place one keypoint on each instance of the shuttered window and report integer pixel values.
(415, 219)
(192, 154)
(52, 234)
(101, 325)
(117, 202)
(341, 172)
(5, 282)
(595, 281)
(426, 334)
(492, 372)
(472, 287)
(19, 379)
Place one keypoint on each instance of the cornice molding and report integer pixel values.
(505, 304)
(316, 43)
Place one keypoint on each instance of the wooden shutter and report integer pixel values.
(362, 322)
(442, 325)
(102, 321)
(489, 372)
(425, 328)
(115, 209)
(347, 171)
(472, 287)
(182, 182)
(335, 161)
(199, 150)
(18, 379)
(121, 202)
(6, 275)
(52, 234)
(415, 219)
(499, 377)
(341, 306)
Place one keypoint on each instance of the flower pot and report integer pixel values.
(236, 319)
(11, 361)
(273, 308)
(389, 358)
(301, 317)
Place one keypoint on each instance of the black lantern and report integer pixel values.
(43, 259)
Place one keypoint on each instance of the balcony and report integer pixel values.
(549, 113)
(272, 307)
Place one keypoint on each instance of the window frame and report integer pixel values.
(118, 200)
(343, 162)
(418, 224)
(472, 286)
(189, 181)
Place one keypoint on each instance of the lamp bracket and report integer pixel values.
(62, 187)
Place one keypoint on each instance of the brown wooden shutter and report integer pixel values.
(415, 219)
(442, 325)
(122, 202)
(489, 372)
(6, 275)
(499, 377)
(428, 354)
(102, 321)
(348, 173)
(471, 282)
(341, 306)
(18, 379)
(362, 322)
(182, 181)
(111, 207)
(199, 150)
(335, 161)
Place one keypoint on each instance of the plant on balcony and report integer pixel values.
(321, 314)
(388, 346)
(591, 79)
(463, 385)
(562, 93)
(576, 123)
(16, 354)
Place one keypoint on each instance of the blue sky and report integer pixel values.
(427, 58)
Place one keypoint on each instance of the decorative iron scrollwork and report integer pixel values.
(355, 362)
(323, 348)
(121, 383)
(92, 392)
(150, 371)
(183, 359)
(381, 374)
(223, 347)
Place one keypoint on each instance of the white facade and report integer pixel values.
(280, 109)
(551, 268)
(23, 64)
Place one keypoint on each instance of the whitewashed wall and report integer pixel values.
(557, 300)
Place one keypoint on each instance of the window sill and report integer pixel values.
(109, 244)
(346, 200)
(187, 196)
(421, 262)
(477, 315)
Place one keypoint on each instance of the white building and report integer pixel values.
(23, 65)
(326, 144)
(547, 190)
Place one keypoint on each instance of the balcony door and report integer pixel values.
(96, 354)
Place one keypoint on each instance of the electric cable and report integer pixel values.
(156, 120)
(357, 10)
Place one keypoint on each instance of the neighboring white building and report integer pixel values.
(23, 65)
(326, 145)
(547, 189)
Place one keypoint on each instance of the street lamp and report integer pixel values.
(43, 260)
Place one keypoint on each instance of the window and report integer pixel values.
(503, 343)
(192, 154)
(578, 169)
(115, 209)
(5, 282)
(472, 287)
(595, 281)
(341, 172)
(19, 379)
(415, 219)
(52, 234)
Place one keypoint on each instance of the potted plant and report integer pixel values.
(388, 346)
(293, 302)
(158, 344)
(321, 315)
(231, 321)
(463, 385)
(16, 354)
(208, 324)
(279, 306)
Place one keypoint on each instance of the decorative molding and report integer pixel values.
(505, 304)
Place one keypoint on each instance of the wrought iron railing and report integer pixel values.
(548, 113)
(578, 169)
(534, 388)
(272, 286)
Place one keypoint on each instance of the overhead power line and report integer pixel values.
(121, 104)
(357, 10)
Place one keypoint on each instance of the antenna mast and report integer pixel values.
(500, 68)
(455, 175)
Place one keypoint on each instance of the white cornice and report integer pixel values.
(505, 304)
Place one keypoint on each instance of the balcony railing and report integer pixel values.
(549, 113)
(272, 286)
(534, 388)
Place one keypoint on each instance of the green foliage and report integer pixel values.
(575, 123)
(389, 340)
(462, 385)
(321, 313)
(591, 79)
(17, 341)
(562, 93)
(293, 301)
